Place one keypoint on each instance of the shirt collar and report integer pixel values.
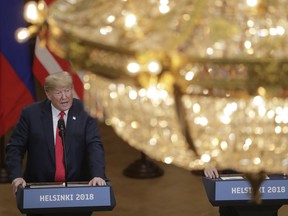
(55, 111)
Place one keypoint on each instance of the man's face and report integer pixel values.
(61, 98)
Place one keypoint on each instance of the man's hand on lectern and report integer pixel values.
(211, 172)
(16, 182)
(97, 181)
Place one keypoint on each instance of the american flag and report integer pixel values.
(45, 63)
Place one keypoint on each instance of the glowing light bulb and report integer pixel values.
(154, 67)
(252, 3)
(31, 13)
(22, 35)
(133, 67)
(130, 21)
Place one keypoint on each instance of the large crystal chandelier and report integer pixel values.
(188, 82)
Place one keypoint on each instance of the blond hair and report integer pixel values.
(58, 80)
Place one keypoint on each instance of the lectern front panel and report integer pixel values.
(236, 190)
(49, 198)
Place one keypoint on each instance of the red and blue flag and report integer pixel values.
(16, 77)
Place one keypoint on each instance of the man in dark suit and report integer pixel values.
(35, 134)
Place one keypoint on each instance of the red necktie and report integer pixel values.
(60, 168)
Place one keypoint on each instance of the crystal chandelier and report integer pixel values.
(189, 82)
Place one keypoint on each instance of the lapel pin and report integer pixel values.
(74, 118)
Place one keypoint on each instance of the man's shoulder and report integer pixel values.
(38, 105)
(77, 101)
(77, 104)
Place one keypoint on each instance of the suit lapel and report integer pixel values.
(48, 127)
(71, 126)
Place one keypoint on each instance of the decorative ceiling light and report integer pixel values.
(190, 82)
(36, 14)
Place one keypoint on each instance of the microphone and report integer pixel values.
(61, 127)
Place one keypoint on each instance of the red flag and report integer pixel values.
(16, 78)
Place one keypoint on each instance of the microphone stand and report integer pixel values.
(61, 126)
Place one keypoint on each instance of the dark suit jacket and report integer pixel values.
(34, 134)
